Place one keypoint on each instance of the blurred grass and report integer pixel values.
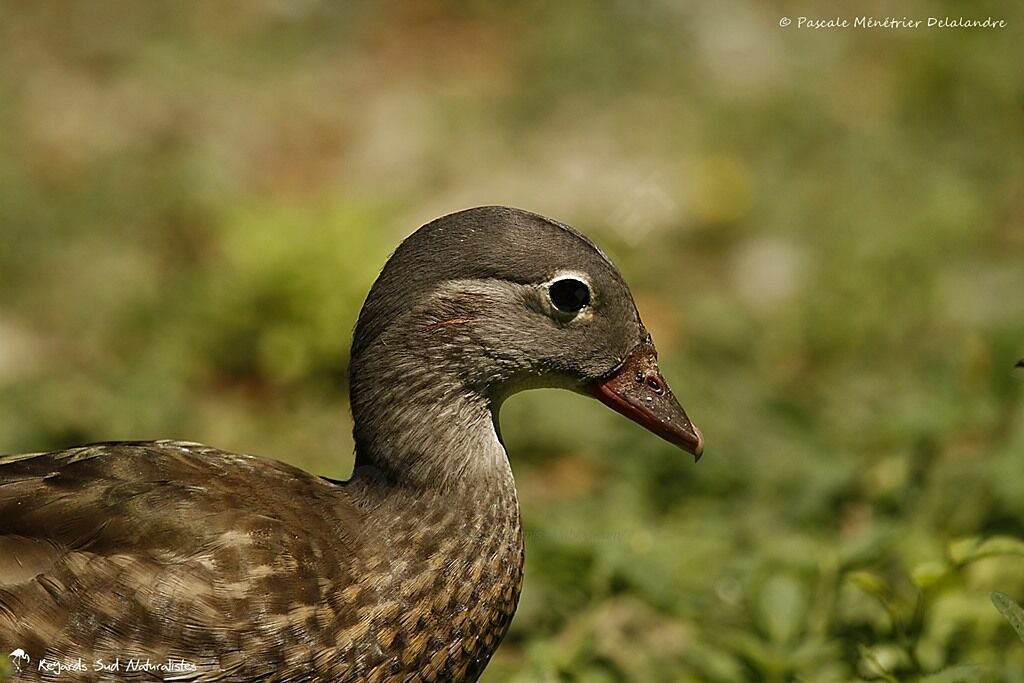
(824, 231)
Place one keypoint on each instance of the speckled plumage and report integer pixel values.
(253, 570)
(233, 578)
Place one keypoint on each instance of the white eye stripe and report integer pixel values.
(569, 275)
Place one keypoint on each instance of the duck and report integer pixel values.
(174, 560)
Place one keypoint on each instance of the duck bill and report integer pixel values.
(637, 390)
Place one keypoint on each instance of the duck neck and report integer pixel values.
(420, 428)
(431, 468)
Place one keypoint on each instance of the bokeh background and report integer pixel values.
(824, 231)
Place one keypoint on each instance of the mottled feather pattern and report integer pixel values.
(168, 549)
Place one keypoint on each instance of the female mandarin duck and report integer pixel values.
(249, 569)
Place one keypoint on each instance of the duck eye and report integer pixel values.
(569, 295)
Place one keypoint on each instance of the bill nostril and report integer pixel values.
(654, 384)
(651, 380)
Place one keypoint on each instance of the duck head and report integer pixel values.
(492, 300)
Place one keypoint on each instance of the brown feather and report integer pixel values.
(248, 568)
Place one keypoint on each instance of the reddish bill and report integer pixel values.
(638, 391)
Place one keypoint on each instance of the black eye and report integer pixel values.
(569, 295)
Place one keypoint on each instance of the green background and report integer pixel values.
(824, 231)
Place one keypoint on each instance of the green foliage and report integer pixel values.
(1013, 612)
(823, 231)
(276, 308)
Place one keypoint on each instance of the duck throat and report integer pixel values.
(418, 426)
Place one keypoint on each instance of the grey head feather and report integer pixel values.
(486, 242)
(456, 322)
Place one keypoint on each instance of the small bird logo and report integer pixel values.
(20, 657)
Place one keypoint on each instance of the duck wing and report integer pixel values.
(155, 550)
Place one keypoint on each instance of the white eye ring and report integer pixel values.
(569, 293)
